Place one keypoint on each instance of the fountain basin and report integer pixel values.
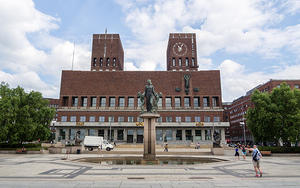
(161, 160)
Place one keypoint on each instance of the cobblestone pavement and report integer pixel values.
(42, 170)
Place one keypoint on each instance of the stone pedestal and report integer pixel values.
(149, 135)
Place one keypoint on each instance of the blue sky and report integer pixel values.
(249, 41)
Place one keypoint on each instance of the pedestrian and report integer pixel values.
(256, 156)
(198, 146)
(166, 148)
(236, 154)
(244, 151)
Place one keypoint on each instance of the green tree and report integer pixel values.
(23, 116)
(275, 115)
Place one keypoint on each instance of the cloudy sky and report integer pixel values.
(250, 41)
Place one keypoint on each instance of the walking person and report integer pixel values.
(256, 156)
(166, 148)
(237, 154)
(244, 151)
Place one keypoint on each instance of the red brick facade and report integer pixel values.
(239, 107)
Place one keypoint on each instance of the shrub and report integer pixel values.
(279, 149)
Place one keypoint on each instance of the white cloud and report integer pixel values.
(236, 80)
(29, 63)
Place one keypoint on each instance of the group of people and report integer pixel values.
(256, 156)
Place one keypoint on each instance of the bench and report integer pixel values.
(265, 153)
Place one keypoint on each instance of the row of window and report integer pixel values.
(106, 63)
(131, 101)
(160, 136)
(187, 63)
(132, 119)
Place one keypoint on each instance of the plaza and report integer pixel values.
(44, 170)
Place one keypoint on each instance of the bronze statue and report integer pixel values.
(151, 98)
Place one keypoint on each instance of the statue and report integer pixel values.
(151, 96)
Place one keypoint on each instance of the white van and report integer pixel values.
(94, 142)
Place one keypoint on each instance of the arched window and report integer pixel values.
(193, 62)
(107, 62)
(114, 62)
(101, 62)
(173, 62)
(186, 62)
(179, 62)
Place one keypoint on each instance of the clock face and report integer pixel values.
(179, 49)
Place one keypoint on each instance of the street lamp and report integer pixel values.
(243, 124)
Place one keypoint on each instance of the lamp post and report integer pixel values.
(110, 131)
(243, 124)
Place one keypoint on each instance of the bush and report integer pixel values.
(278, 149)
(31, 145)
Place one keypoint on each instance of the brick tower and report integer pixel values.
(107, 53)
(182, 52)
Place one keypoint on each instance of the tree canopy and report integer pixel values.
(23, 116)
(275, 115)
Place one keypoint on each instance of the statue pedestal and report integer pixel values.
(149, 135)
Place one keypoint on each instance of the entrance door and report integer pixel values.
(140, 136)
(129, 136)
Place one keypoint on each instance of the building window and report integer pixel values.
(173, 62)
(102, 101)
(101, 132)
(168, 102)
(169, 135)
(207, 134)
(101, 62)
(73, 118)
(168, 119)
(206, 119)
(65, 101)
(178, 134)
(196, 102)
(130, 119)
(193, 62)
(101, 118)
(91, 132)
(120, 134)
(107, 62)
(95, 60)
(114, 62)
(178, 119)
(159, 120)
(179, 62)
(188, 135)
(112, 101)
(121, 119)
(296, 86)
(140, 119)
(111, 119)
(93, 101)
(121, 101)
(186, 62)
(216, 119)
(63, 118)
(159, 103)
(206, 101)
(82, 118)
(130, 102)
(215, 101)
(198, 135)
(197, 119)
(62, 134)
(187, 102)
(188, 119)
(159, 135)
(74, 101)
(177, 101)
(92, 118)
(84, 101)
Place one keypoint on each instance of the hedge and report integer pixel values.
(279, 149)
(31, 145)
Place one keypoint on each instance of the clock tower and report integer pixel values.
(182, 52)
